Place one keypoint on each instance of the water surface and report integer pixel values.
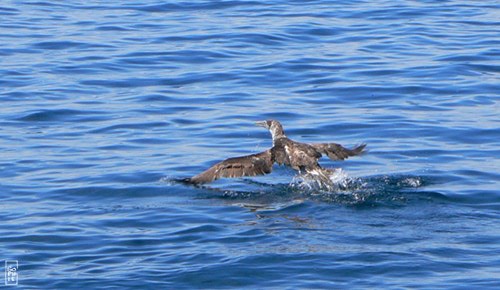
(104, 105)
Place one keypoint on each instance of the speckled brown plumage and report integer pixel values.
(302, 157)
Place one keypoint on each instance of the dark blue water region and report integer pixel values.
(107, 106)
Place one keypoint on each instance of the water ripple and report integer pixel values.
(107, 105)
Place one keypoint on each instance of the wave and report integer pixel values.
(333, 186)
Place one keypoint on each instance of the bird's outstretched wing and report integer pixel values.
(338, 152)
(250, 165)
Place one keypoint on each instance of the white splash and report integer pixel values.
(324, 179)
(410, 182)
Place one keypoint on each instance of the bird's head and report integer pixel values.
(274, 127)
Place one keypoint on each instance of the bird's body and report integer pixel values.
(302, 157)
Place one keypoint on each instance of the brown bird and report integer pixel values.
(302, 157)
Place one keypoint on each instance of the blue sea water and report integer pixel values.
(105, 105)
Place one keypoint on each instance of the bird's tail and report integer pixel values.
(358, 150)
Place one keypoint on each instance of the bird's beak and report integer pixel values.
(261, 124)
